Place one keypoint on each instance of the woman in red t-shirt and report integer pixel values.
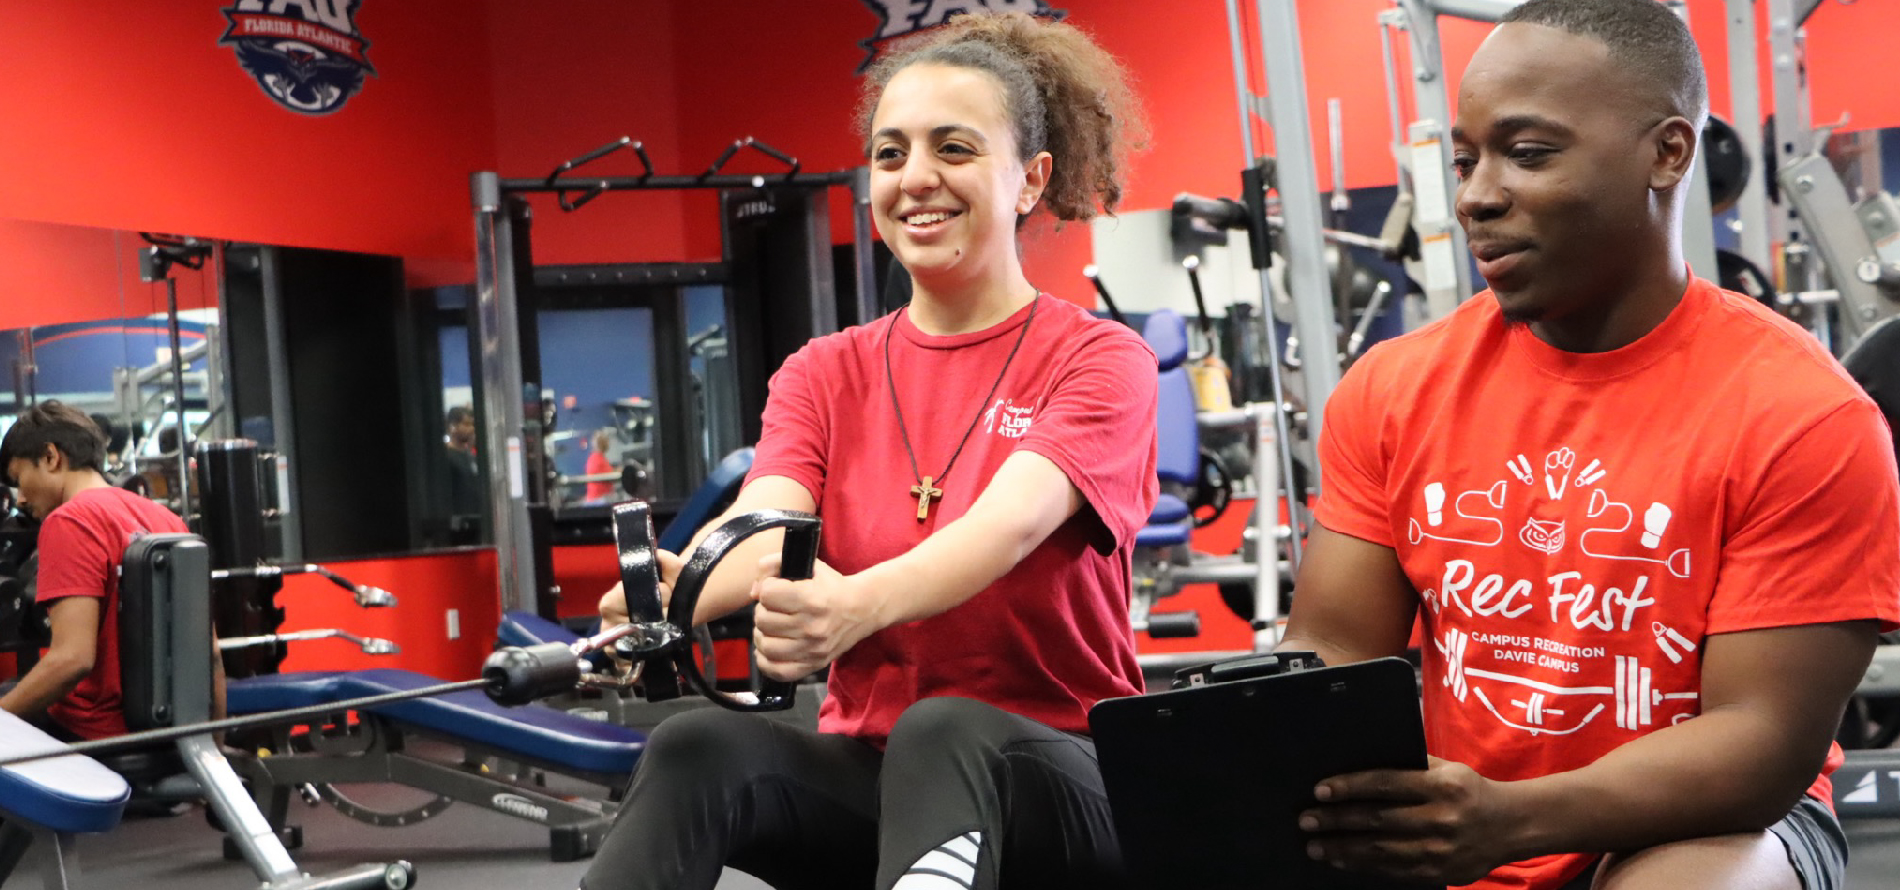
(981, 460)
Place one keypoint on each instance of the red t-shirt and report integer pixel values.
(1578, 524)
(81, 546)
(597, 463)
(1051, 637)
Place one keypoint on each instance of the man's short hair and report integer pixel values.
(61, 426)
(116, 436)
(458, 414)
(1644, 37)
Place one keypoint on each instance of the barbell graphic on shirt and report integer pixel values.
(1632, 692)
(1655, 523)
(1435, 515)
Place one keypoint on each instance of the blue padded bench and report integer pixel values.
(1169, 508)
(71, 794)
(520, 628)
(1164, 535)
(532, 733)
(48, 801)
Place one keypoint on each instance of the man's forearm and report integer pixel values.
(1722, 772)
(46, 683)
(1329, 651)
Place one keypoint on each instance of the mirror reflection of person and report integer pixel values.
(117, 437)
(161, 473)
(971, 594)
(465, 476)
(597, 462)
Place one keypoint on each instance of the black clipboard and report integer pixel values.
(1207, 783)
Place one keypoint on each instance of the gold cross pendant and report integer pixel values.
(923, 493)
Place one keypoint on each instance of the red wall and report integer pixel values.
(426, 587)
(572, 78)
(584, 573)
(59, 273)
(129, 115)
(156, 126)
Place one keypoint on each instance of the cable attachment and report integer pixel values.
(760, 147)
(593, 191)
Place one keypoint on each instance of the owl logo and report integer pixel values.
(307, 55)
(896, 18)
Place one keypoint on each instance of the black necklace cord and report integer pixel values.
(890, 380)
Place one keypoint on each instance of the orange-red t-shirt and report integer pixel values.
(1577, 525)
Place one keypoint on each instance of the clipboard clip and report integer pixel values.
(1245, 668)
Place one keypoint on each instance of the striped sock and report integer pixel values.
(952, 866)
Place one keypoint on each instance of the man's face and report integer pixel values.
(38, 482)
(1554, 153)
(462, 432)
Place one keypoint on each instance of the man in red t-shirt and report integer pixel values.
(1650, 528)
(52, 455)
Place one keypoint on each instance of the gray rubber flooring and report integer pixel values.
(472, 849)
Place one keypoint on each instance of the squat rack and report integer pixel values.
(504, 271)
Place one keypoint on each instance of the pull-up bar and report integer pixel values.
(590, 189)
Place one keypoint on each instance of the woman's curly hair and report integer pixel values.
(1061, 92)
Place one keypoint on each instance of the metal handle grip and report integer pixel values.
(798, 556)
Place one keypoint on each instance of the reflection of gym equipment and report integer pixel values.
(155, 264)
(780, 292)
(716, 397)
(633, 424)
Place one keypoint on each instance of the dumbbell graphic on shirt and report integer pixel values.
(1655, 524)
(1545, 708)
(1475, 526)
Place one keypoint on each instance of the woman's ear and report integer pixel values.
(1035, 180)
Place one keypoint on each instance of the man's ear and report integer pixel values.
(1676, 141)
(52, 460)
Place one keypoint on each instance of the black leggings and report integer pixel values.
(963, 791)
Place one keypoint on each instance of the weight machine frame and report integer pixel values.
(504, 269)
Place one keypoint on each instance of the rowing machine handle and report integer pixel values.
(798, 555)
